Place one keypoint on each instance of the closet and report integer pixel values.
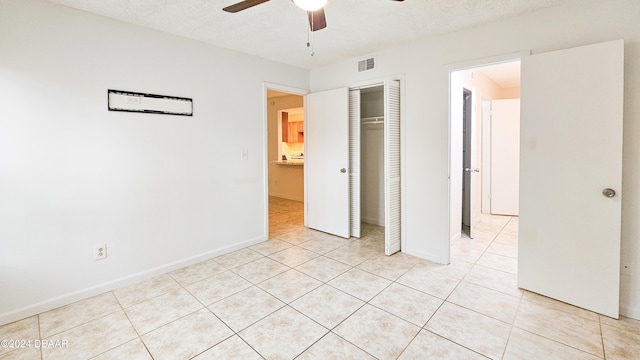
(372, 155)
(352, 161)
(375, 160)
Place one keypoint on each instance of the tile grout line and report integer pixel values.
(132, 326)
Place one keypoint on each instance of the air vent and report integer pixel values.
(364, 65)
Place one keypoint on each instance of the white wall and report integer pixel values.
(161, 191)
(425, 121)
(372, 182)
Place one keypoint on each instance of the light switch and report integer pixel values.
(244, 154)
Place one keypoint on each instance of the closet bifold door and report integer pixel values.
(354, 162)
(392, 219)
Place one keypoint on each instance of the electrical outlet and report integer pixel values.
(100, 252)
(244, 154)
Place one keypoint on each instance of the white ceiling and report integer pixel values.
(278, 30)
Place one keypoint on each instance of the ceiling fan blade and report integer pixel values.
(243, 5)
(317, 20)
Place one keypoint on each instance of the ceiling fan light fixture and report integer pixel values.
(310, 5)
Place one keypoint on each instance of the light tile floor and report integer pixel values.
(308, 295)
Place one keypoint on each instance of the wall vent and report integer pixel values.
(364, 65)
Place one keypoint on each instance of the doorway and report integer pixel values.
(473, 90)
(285, 161)
(559, 110)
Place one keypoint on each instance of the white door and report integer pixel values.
(354, 161)
(392, 170)
(571, 149)
(505, 156)
(327, 161)
(471, 160)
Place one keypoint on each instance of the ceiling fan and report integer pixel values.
(314, 8)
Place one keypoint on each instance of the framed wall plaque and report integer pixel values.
(130, 101)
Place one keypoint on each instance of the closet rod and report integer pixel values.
(372, 120)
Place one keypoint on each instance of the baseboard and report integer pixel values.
(630, 312)
(86, 293)
(288, 197)
(372, 221)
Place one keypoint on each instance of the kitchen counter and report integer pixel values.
(293, 162)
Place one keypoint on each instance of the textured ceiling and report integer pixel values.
(277, 30)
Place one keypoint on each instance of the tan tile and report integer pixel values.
(507, 238)
(389, 267)
(91, 339)
(486, 301)
(271, 246)
(457, 269)
(560, 326)
(624, 323)
(232, 348)
(352, 254)
(377, 332)
(504, 249)
(525, 345)
(297, 237)
(187, 337)
(407, 303)
(290, 285)
(323, 235)
(334, 347)
(360, 284)
(620, 343)
(429, 281)
(218, 287)
(494, 279)
(23, 353)
(559, 305)
(322, 246)
(428, 345)
(152, 314)
(78, 313)
(133, 350)
(25, 329)
(293, 256)
(260, 270)
(463, 253)
(245, 308)
(499, 262)
(477, 244)
(196, 272)
(470, 329)
(375, 243)
(497, 222)
(145, 290)
(283, 335)
(323, 268)
(237, 258)
(316, 305)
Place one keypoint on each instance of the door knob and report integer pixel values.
(343, 170)
(471, 170)
(609, 193)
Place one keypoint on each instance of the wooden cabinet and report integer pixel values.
(294, 133)
(285, 127)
